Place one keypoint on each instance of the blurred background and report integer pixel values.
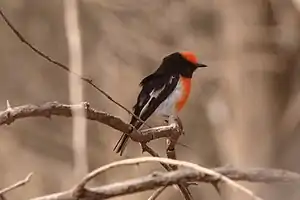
(243, 110)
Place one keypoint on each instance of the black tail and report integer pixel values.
(121, 144)
(123, 141)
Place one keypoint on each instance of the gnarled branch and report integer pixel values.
(57, 109)
(159, 179)
(149, 182)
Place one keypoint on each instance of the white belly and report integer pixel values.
(168, 106)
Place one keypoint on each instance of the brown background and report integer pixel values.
(243, 110)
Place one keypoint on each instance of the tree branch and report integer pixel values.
(160, 179)
(57, 109)
(171, 153)
(62, 66)
(153, 181)
(16, 185)
(215, 175)
(182, 186)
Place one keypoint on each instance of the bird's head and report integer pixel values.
(185, 63)
(191, 57)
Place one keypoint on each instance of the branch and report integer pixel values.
(160, 179)
(57, 109)
(172, 141)
(62, 66)
(173, 138)
(16, 185)
(183, 188)
(215, 175)
(54, 108)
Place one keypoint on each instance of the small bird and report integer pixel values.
(164, 92)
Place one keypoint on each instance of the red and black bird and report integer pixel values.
(164, 92)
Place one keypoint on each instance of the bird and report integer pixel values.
(164, 92)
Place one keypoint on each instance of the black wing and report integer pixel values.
(155, 89)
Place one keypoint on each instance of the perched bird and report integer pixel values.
(164, 92)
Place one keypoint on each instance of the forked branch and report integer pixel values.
(191, 172)
(57, 109)
(152, 181)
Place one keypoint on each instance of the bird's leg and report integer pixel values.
(178, 121)
(172, 119)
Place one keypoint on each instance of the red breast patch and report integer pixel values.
(186, 88)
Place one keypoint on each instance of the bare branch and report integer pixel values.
(171, 153)
(62, 66)
(172, 141)
(182, 187)
(160, 179)
(16, 185)
(200, 169)
(57, 109)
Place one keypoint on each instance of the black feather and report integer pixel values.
(152, 83)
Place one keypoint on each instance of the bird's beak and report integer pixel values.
(200, 65)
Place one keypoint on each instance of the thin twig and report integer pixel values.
(64, 67)
(16, 185)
